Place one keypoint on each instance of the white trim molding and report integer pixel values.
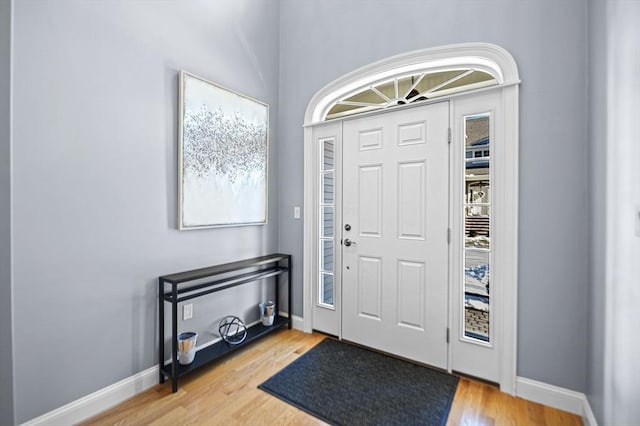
(556, 397)
(95, 403)
(297, 322)
(588, 418)
(309, 234)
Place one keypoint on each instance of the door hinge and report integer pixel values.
(448, 235)
(449, 135)
(447, 334)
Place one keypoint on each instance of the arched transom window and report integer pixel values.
(406, 89)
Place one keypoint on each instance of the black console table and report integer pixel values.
(221, 277)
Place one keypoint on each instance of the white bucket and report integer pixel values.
(187, 347)
(267, 312)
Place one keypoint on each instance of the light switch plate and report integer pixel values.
(296, 212)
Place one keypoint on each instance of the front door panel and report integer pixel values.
(395, 255)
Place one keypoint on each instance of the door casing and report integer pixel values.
(505, 235)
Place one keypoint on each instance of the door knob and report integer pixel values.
(348, 242)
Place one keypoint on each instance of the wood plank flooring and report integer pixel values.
(226, 393)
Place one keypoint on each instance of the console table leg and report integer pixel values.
(174, 338)
(289, 278)
(161, 329)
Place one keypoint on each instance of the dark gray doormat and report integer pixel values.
(343, 384)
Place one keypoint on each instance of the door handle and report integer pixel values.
(347, 242)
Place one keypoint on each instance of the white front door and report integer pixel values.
(394, 237)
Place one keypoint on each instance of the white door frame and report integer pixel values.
(484, 56)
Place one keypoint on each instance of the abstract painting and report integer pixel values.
(222, 156)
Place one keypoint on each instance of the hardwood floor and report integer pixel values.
(226, 393)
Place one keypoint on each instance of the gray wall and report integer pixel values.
(94, 177)
(597, 128)
(322, 40)
(6, 347)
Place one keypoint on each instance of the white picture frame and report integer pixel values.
(223, 146)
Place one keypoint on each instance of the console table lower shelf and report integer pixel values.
(219, 349)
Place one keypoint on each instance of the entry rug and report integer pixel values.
(343, 384)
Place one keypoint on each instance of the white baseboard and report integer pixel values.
(297, 322)
(556, 397)
(588, 418)
(90, 405)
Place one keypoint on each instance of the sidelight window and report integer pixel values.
(326, 249)
(477, 228)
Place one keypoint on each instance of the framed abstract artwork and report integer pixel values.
(222, 156)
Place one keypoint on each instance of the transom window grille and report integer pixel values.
(407, 89)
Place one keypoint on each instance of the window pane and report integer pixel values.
(326, 289)
(366, 96)
(326, 222)
(476, 295)
(388, 89)
(338, 108)
(326, 255)
(328, 155)
(474, 77)
(327, 188)
(477, 189)
(477, 227)
(477, 132)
